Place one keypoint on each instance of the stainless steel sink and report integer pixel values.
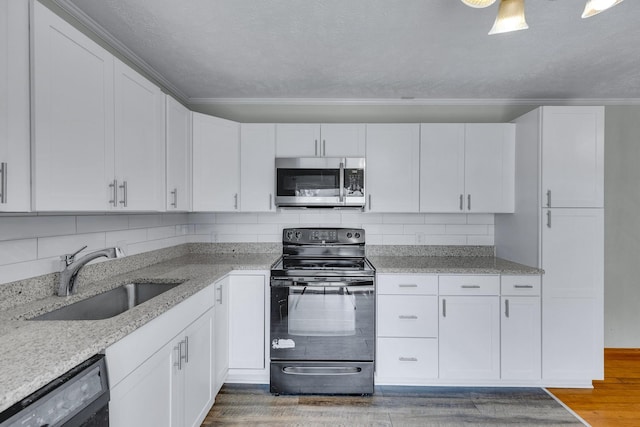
(110, 303)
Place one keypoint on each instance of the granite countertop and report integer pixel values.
(449, 265)
(33, 353)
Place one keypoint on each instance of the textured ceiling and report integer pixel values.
(378, 49)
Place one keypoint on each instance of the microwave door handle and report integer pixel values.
(342, 181)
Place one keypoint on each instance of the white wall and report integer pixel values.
(381, 229)
(31, 245)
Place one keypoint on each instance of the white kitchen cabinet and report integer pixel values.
(322, 140)
(573, 137)
(216, 164)
(407, 329)
(469, 328)
(178, 139)
(257, 167)
(162, 373)
(393, 167)
(139, 141)
(193, 367)
(221, 334)
(15, 178)
(247, 322)
(73, 117)
(467, 167)
(520, 328)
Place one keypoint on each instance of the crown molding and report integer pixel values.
(412, 102)
(116, 44)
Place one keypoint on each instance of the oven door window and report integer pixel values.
(322, 323)
(308, 182)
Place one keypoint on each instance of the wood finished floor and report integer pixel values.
(615, 401)
(242, 405)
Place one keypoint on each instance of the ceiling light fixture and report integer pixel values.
(478, 3)
(510, 17)
(511, 12)
(594, 7)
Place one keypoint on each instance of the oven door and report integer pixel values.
(322, 321)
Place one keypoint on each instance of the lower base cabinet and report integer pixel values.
(157, 382)
(247, 322)
(221, 333)
(405, 361)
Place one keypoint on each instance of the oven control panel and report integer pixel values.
(314, 236)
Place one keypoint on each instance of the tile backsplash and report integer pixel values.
(31, 244)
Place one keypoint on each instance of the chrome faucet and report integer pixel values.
(68, 275)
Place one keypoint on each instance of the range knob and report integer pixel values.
(357, 235)
(298, 234)
(289, 235)
(349, 235)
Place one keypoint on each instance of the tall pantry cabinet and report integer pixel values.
(558, 226)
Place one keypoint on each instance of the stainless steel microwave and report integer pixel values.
(320, 182)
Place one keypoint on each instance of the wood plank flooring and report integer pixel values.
(244, 405)
(615, 401)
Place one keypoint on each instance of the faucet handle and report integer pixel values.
(68, 258)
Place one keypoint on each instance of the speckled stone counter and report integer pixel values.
(33, 353)
(449, 265)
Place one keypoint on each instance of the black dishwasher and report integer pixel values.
(80, 397)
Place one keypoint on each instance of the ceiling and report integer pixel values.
(208, 50)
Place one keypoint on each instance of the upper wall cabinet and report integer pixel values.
(98, 140)
(178, 128)
(573, 136)
(15, 181)
(315, 140)
(73, 118)
(467, 167)
(257, 173)
(393, 167)
(216, 164)
(139, 141)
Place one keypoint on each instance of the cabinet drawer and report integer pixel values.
(407, 284)
(469, 285)
(520, 285)
(407, 358)
(407, 316)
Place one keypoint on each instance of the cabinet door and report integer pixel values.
(216, 164)
(442, 167)
(257, 167)
(520, 339)
(178, 125)
(139, 141)
(145, 398)
(297, 140)
(221, 332)
(199, 373)
(490, 167)
(343, 140)
(246, 322)
(393, 167)
(573, 156)
(15, 167)
(469, 339)
(72, 117)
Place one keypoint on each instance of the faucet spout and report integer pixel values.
(66, 285)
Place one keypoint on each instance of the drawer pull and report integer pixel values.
(523, 286)
(470, 286)
(410, 317)
(506, 308)
(408, 359)
(407, 285)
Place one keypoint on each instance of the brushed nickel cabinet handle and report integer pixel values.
(235, 201)
(470, 286)
(4, 177)
(408, 359)
(444, 307)
(324, 147)
(408, 317)
(270, 201)
(178, 362)
(369, 201)
(114, 200)
(316, 150)
(186, 349)
(462, 202)
(125, 195)
(407, 285)
(523, 286)
(219, 299)
(468, 202)
(548, 198)
(175, 198)
(506, 308)
(549, 219)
